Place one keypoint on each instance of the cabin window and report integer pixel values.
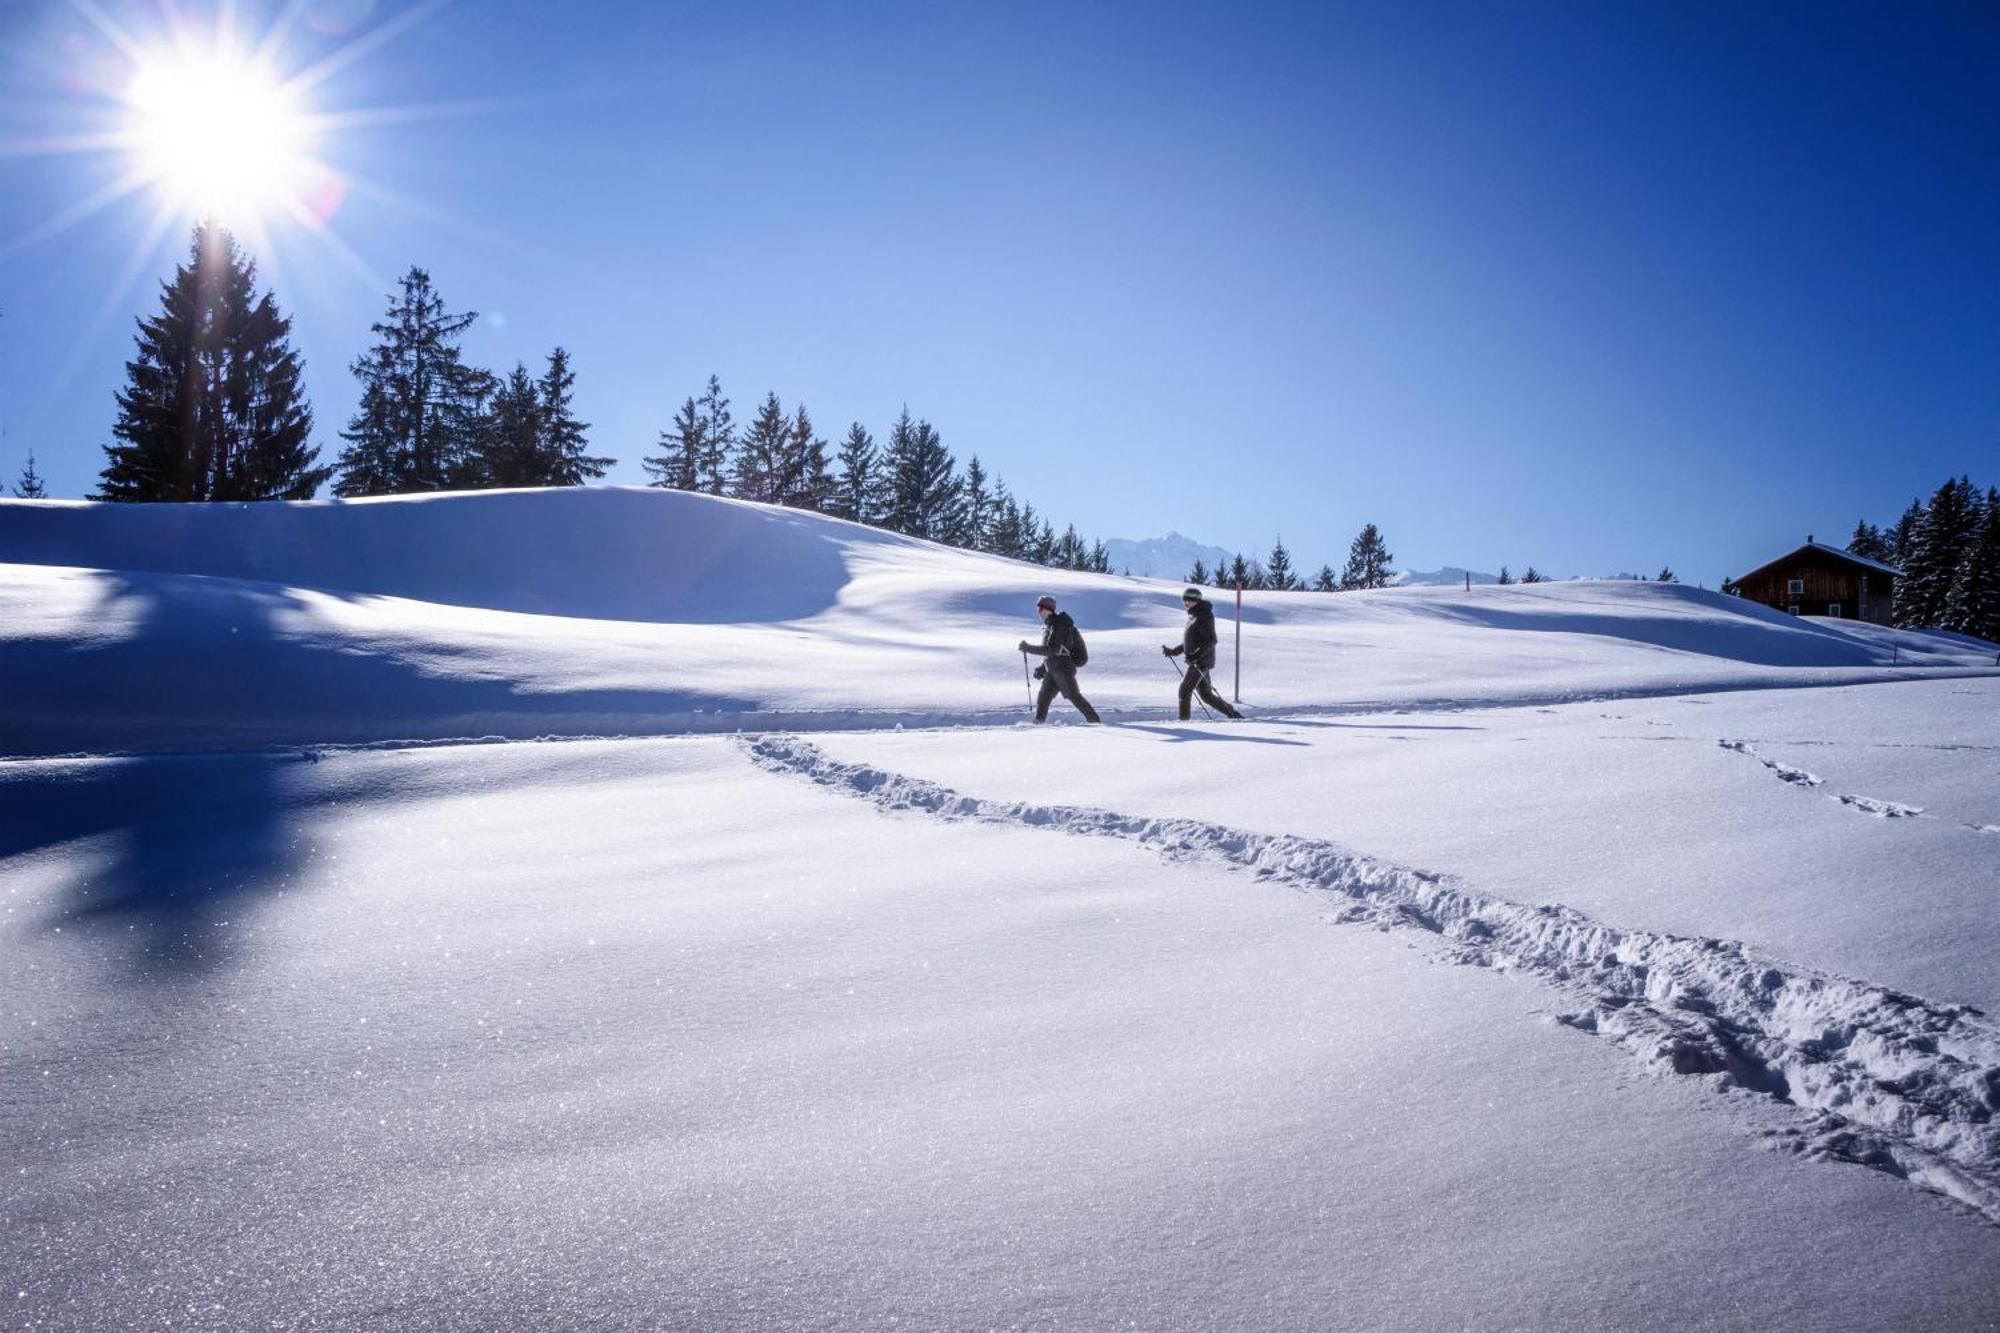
(1795, 588)
(1793, 609)
(1833, 609)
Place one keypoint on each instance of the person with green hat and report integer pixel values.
(1198, 644)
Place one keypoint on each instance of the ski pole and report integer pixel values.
(1179, 671)
(1028, 681)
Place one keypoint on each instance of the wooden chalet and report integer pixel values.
(1821, 580)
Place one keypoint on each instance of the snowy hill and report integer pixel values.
(1450, 576)
(1170, 557)
(1582, 955)
(631, 610)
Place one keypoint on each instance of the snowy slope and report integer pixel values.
(627, 611)
(1667, 1010)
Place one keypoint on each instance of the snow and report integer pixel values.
(1579, 956)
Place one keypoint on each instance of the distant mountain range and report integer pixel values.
(1173, 556)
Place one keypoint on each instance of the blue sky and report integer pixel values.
(1596, 287)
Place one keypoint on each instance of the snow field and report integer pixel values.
(639, 1035)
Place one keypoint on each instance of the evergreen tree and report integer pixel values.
(808, 481)
(509, 451)
(1100, 559)
(858, 490)
(564, 438)
(1506, 575)
(1239, 572)
(1973, 604)
(1869, 543)
(1008, 536)
(1325, 580)
(1533, 575)
(30, 487)
(925, 491)
(1280, 574)
(1903, 537)
(1667, 575)
(1368, 561)
(1069, 550)
(1936, 550)
(1043, 548)
(678, 463)
(976, 533)
(759, 466)
(422, 413)
(1222, 574)
(213, 408)
(1199, 574)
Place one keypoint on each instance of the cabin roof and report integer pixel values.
(1839, 552)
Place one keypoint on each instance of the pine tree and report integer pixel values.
(976, 534)
(1903, 537)
(422, 409)
(564, 438)
(1506, 576)
(678, 464)
(1533, 575)
(1368, 561)
(1008, 536)
(1869, 543)
(1280, 574)
(711, 463)
(1325, 580)
(508, 452)
(857, 489)
(1100, 559)
(925, 491)
(1199, 574)
(30, 487)
(1667, 575)
(759, 466)
(213, 408)
(1973, 604)
(1239, 572)
(1043, 548)
(808, 480)
(1947, 527)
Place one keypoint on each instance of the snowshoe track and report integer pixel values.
(1879, 1078)
(1798, 777)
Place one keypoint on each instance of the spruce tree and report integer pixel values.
(1667, 575)
(1325, 580)
(1869, 543)
(808, 481)
(1007, 536)
(760, 465)
(422, 413)
(678, 463)
(718, 440)
(1044, 544)
(1506, 576)
(1533, 575)
(30, 487)
(564, 438)
(213, 408)
(1100, 559)
(1902, 538)
(925, 491)
(1368, 561)
(1239, 572)
(508, 452)
(1199, 574)
(976, 531)
(1947, 527)
(1279, 571)
(1973, 604)
(858, 491)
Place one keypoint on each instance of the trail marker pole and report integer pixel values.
(1236, 690)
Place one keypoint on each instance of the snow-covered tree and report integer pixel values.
(1942, 535)
(1972, 606)
(1869, 543)
(213, 407)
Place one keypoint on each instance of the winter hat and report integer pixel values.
(1191, 595)
(1045, 600)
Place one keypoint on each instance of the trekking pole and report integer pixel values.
(1181, 672)
(1028, 681)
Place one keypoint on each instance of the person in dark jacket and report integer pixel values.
(1198, 644)
(1058, 669)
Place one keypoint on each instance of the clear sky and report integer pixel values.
(1592, 286)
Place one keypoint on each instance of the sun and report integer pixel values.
(218, 134)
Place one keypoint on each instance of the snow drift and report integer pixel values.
(636, 611)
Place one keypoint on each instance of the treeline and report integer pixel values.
(1949, 552)
(1368, 561)
(909, 482)
(214, 409)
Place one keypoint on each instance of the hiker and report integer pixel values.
(1198, 643)
(1062, 652)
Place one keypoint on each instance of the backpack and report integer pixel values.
(1079, 652)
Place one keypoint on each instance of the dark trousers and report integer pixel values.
(1060, 678)
(1196, 678)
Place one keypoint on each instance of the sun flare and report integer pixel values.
(218, 135)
